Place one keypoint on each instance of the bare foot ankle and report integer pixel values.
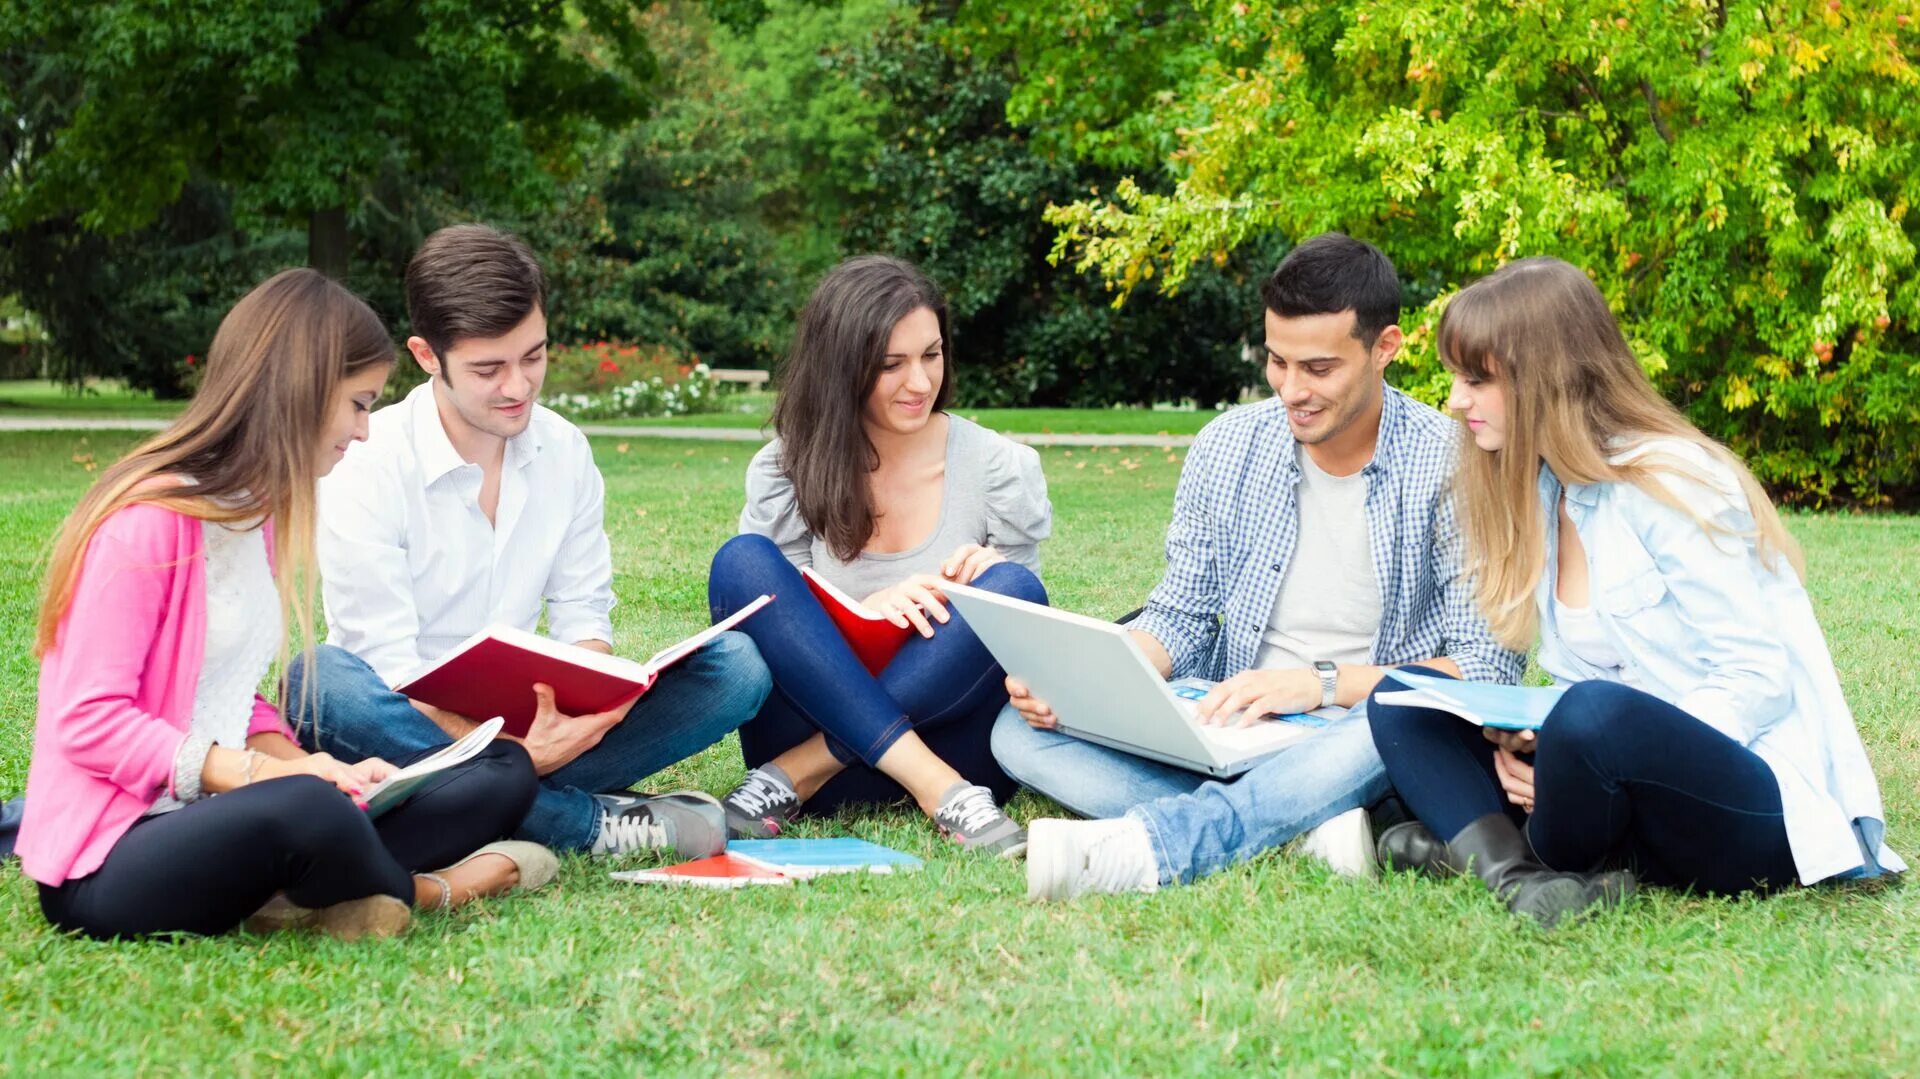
(486, 875)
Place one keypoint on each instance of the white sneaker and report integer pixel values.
(1070, 858)
(1345, 843)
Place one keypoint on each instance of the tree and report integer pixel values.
(1738, 179)
(298, 108)
(664, 238)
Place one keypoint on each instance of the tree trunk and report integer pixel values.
(327, 242)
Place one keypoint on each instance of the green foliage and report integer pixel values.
(136, 305)
(164, 158)
(1738, 178)
(662, 238)
(303, 106)
(957, 189)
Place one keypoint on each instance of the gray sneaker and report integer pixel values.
(689, 823)
(761, 805)
(968, 816)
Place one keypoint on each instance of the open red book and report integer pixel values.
(492, 673)
(874, 639)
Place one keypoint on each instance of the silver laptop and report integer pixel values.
(1103, 688)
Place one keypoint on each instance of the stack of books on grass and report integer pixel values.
(777, 862)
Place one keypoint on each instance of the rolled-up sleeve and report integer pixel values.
(361, 544)
(1469, 642)
(1183, 611)
(579, 589)
(1019, 515)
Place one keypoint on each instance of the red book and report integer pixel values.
(874, 639)
(492, 673)
(719, 871)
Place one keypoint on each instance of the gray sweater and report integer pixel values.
(995, 496)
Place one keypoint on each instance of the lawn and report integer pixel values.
(1272, 966)
(97, 399)
(748, 410)
(745, 410)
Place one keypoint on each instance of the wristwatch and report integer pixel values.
(1329, 680)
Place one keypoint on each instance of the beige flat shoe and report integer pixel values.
(376, 916)
(537, 864)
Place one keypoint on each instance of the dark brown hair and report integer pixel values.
(472, 281)
(838, 351)
(1334, 272)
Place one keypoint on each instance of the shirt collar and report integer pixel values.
(1393, 412)
(1579, 494)
(435, 451)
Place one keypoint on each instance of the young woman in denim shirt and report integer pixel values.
(1703, 742)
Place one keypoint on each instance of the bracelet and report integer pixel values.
(446, 890)
(253, 761)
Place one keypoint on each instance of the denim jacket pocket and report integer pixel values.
(1624, 599)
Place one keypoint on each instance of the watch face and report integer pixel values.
(1324, 665)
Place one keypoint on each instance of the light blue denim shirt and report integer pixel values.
(1236, 522)
(1701, 621)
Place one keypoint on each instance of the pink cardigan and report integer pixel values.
(116, 690)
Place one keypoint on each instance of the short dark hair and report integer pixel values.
(471, 281)
(1334, 272)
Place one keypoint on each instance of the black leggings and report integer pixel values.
(206, 867)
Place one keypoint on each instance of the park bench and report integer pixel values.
(745, 375)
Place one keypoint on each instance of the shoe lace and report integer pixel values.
(757, 794)
(971, 811)
(633, 830)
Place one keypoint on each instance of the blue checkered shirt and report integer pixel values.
(1236, 520)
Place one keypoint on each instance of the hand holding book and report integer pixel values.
(555, 739)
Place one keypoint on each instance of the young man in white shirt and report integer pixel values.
(471, 504)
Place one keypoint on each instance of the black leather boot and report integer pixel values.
(1411, 846)
(1495, 851)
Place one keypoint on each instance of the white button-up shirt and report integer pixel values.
(410, 564)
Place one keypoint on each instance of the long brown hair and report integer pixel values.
(838, 351)
(249, 440)
(1575, 398)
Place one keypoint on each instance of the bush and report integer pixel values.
(1738, 179)
(694, 391)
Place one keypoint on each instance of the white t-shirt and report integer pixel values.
(243, 637)
(1329, 602)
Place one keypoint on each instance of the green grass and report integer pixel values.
(1273, 966)
(745, 410)
(96, 399)
(752, 410)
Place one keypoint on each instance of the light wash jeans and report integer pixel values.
(1200, 825)
(693, 705)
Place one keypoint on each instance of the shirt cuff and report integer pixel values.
(188, 762)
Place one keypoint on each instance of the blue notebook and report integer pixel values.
(816, 857)
(1489, 704)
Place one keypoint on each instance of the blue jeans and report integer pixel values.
(1199, 825)
(945, 688)
(693, 705)
(1620, 777)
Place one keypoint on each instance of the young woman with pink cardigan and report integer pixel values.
(165, 795)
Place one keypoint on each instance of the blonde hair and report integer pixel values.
(1575, 399)
(249, 440)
